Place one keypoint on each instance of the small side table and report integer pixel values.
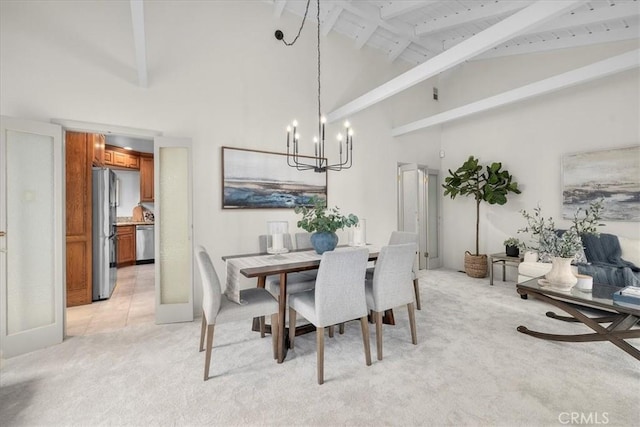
(511, 261)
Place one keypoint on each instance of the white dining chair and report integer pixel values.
(391, 287)
(264, 241)
(217, 309)
(296, 282)
(338, 297)
(303, 241)
(398, 238)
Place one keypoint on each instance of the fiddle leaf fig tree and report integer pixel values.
(488, 184)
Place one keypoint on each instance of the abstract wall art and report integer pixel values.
(259, 179)
(613, 175)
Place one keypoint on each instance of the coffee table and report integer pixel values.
(621, 318)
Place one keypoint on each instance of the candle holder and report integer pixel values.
(358, 233)
(276, 230)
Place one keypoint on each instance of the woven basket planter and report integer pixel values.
(475, 265)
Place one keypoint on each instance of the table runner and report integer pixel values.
(234, 265)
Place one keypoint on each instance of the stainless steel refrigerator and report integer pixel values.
(104, 233)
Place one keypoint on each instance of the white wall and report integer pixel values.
(218, 76)
(531, 137)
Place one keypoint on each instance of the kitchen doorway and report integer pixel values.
(131, 301)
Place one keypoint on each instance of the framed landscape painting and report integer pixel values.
(254, 179)
(613, 175)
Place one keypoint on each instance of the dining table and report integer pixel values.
(261, 265)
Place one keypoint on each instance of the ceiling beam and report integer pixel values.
(331, 19)
(607, 67)
(473, 15)
(397, 8)
(371, 14)
(363, 36)
(397, 50)
(278, 7)
(561, 43)
(534, 15)
(592, 16)
(137, 19)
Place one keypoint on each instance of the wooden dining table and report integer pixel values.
(262, 265)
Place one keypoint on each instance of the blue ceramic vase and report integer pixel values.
(324, 241)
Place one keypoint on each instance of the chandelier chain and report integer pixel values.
(319, 106)
(320, 162)
(306, 10)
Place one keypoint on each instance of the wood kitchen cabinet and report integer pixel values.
(120, 158)
(126, 245)
(79, 152)
(97, 142)
(146, 177)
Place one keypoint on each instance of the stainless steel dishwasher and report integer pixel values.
(144, 244)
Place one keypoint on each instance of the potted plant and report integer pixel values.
(323, 222)
(488, 183)
(512, 246)
(561, 247)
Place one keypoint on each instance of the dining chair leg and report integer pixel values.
(416, 288)
(412, 323)
(331, 331)
(341, 328)
(378, 318)
(262, 328)
(320, 353)
(365, 339)
(207, 355)
(292, 326)
(274, 334)
(203, 328)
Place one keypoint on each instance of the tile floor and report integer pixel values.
(132, 302)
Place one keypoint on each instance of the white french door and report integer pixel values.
(32, 218)
(418, 210)
(174, 225)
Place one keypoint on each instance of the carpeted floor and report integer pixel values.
(470, 368)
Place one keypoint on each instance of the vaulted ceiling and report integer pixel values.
(416, 31)
(436, 35)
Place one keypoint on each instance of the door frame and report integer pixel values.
(53, 333)
(421, 223)
(106, 129)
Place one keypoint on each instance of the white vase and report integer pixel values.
(561, 276)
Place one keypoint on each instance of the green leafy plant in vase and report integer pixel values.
(323, 222)
(488, 184)
(512, 246)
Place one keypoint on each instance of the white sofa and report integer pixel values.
(530, 267)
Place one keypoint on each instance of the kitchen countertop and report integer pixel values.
(134, 223)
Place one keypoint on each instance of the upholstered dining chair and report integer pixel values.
(398, 238)
(217, 309)
(264, 241)
(296, 282)
(303, 240)
(338, 297)
(391, 287)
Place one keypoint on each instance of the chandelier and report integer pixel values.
(319, 162)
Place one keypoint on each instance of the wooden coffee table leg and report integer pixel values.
(616, 333)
